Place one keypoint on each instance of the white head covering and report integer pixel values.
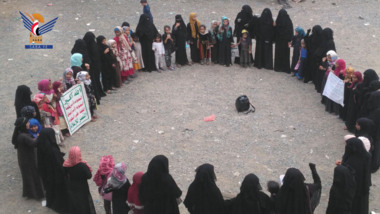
(81, 76)
(366, 143)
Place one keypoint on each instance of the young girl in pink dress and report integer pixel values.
(124, 51)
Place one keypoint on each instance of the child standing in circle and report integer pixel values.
(169, 44)
(225, 42)
(159, 52)
(204, 45)
(246, 49)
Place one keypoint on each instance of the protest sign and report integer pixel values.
(74, 104)
(334, 89)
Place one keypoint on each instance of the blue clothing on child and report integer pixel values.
(34, 122)
(303, 52)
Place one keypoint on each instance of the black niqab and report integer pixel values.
(366, 128)
(158, 190)
(342, 190)
(22, 99)
(145, 28)
(243, 18)
(81, 47)
(20, 127)
(203, 196)
(284, 26)
(293, 197)
(265, 31)
(328, 43)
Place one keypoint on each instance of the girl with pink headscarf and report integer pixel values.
(104, 172)
(133, 194)
(77, 173)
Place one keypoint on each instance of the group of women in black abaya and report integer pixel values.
(46, 175)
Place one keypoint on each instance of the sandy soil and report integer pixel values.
(289, 129)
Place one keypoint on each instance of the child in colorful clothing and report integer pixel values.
(204, 45)
(302, 60)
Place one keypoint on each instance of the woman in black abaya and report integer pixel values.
(179, 31)
(312, 41)
(146, 31)
(242, 21)
(296, 197)
(203, 196)
(25, 145)
(50, 160)
(342, 190)
(283, 35)
(264, 40)
(250, 199)
(95, 65)
(359, 159)
(375, 162)
(23, 99)
(365, 90)
(158, 191)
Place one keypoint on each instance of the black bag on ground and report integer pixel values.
(242, 104)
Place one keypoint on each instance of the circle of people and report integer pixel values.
(105, 65)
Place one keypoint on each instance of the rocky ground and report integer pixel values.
(162, 113)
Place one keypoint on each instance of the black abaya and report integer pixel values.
(80, 200)
(180, 33)
(283, 35)
(107, 60)
(375, 162)
(146, 31)
(203, 196)
(25, 145)
(119, 198)
(158, 191)
(95, 66)
(314, 57)
(23, 99)
(250, 199)
(264, 40)
(50, 160)
(342, 191)
(242, 21)
(358, 158)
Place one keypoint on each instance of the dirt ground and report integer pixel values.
(162, 113)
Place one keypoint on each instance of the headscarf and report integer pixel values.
(44, 85)
(75, 157)
(203, 195)
(243, 18)
(22, 98)
(334, 57)
(265, 29)
(20, 127)
(105, 168)
(248, 200)
(158, 187)
(300, 31)
(223, 28)
(76, 59)
(369, 76)
(121, 40)
(367, 127)
(359, 76)
(28, 112)
(34, 122)
(38, 98)
(293, 197)
(364, 140)
(194, 33)
(342, 190)
(133, 191)
(340, 67)
(70, 81)
(117, 178)
(56, 85)
(284, 26)
(316, 37)
(81, 47)
(328, 40)
(81, 76)
(110, 42)
(145, 28)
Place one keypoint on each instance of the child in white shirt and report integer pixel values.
(159, 52)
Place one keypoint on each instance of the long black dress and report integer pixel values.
(23, 99)
(264, 41)
(375, 162)
(312, 42)
(193, 42)
(365, 90)
(107, 61)
(203, 195)
(225, 40)
(342, 191)
(95, 65)
(80, 200)
(353, 108)
(250, 199)
(242, 21)
(296, 197)
(50, 160)
(326, 45)
(296, 44)
(283, 35)
(180, 33)
(25, 145)
(358, 158)
(158, 191)
(146, 31)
